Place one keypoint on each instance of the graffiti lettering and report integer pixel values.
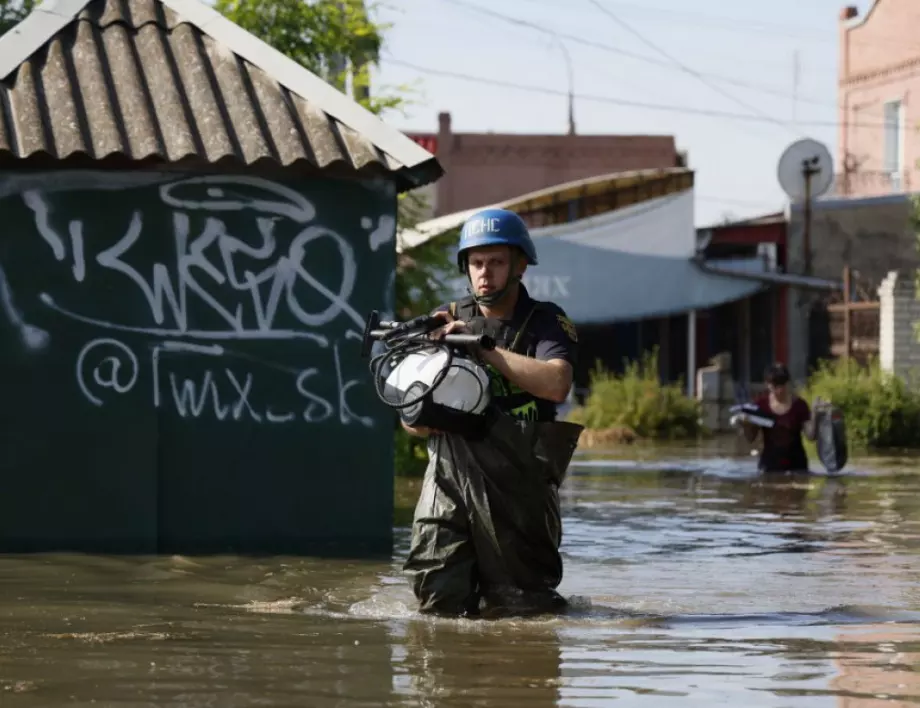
(222, 393)
(236, 260)
(252, 267)
(31, 337)
(106, 372)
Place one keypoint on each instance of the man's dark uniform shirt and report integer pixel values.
(537, 329)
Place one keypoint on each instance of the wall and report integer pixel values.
(899, 350)
(879, 62)
(180, 363)
(872, 236)
(485, 168)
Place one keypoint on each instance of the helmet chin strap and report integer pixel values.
(491, 298)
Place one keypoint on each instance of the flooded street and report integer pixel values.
(693, 583)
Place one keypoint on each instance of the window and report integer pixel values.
(892, 159)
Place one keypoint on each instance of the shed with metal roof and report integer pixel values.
(194, 229)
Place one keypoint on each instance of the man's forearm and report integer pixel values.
(551, 380)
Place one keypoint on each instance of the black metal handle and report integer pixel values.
(477, 340)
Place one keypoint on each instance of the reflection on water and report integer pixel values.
(694, 583)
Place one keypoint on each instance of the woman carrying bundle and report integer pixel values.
(782, 449)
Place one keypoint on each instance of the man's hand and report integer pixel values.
(419, 432)
(452, 326)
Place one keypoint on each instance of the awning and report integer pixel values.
(596, 285)
(638, 262)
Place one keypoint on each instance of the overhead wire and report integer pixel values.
(666, 64)
(683, 67)
(735, 24)
(687, 110)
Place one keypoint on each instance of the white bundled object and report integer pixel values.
(749, 413)
(465, 387)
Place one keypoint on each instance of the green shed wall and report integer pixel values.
(179, 363)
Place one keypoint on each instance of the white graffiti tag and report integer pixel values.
(237, 262)
(208, 259)
(223, 391)
(106, 373)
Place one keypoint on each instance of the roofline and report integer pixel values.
(52, 16)
(772, 217)
(805, 282)
(831, 203)
(525, 202)
(544, 136)
(631, 177)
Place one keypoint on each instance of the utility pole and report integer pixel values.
(571, 76)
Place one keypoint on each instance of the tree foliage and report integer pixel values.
(13, 12)
(338, 40)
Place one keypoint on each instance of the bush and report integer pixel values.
(881, 410)
(638, 401)
(410, 454)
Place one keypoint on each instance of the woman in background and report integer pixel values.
(782, 450)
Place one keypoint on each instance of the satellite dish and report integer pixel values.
(805, 170)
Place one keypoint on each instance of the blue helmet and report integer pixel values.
(495, 227)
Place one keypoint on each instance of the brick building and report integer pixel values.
(878, 146)
(485, 168)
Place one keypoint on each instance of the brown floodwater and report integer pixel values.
(693, 583)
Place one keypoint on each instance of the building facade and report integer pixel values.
(486, 168)
(879, 84)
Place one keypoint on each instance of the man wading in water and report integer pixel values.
(487, 526)
(782, 444)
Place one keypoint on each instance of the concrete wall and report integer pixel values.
(899, 350)
(879, 62)
(872, 236)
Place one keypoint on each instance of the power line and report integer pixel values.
(735, 24)
(623, 52)
(734, 202)
(688, 110)
(679, 64)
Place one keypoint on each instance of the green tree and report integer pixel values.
(12, 12)
(339, 40)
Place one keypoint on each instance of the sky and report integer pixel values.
(726, 71)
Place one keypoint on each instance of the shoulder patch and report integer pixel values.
(567, 327)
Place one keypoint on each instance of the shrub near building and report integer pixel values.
(636, 404)
(881, 410)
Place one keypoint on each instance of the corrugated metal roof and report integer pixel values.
(172, 80)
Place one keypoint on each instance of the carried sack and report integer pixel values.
(749, 413)
(830, 437)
